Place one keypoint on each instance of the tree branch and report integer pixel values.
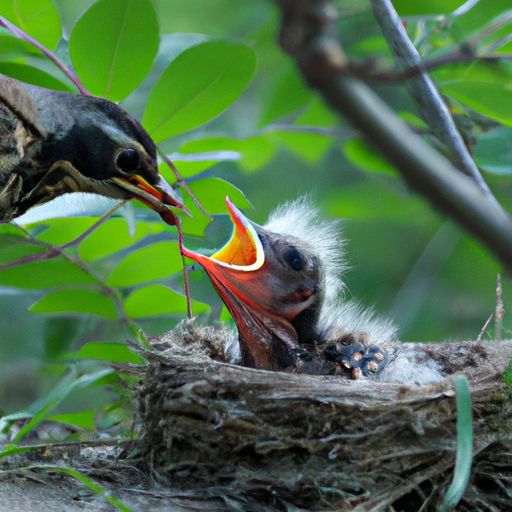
(360, 70)
(309, 35)
(432, 107)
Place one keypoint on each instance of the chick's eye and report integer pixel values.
(128, 160)
(294, 259)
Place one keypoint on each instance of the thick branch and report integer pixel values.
(309, 35)
(433, 109)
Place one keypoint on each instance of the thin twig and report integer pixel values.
(328, 131)
(432, 107)
(182, 182)
(55, 251)
(95, 226)
(45, 51)
(77, 261)
(186, 282)
(418, 70)
(484, 328)
(500, 310)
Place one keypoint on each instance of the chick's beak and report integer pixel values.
(235, 271)
(157, 196)
(242, 253)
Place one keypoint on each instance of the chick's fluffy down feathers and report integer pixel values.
(303, 220)
(338, 317)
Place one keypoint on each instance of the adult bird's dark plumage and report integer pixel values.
(282, 284)
(53, 143)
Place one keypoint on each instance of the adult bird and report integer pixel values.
(53, 143)
(282, 284)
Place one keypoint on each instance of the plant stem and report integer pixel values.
(4, 22)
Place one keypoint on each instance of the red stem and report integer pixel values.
(186, 282)
(182, 182)
(48, 53)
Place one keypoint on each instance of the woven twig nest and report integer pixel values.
(262, 440)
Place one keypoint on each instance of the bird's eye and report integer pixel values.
(128, 160)
(294, 259)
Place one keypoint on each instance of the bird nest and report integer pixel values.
(263, 440)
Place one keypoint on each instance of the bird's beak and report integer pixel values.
(157, 196)
(235, 270)
(242, 253)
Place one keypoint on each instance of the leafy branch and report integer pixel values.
(308, 34)
(56, 251)
(45, 51)
(53, 251)
(432, 106)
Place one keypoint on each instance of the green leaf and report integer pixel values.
(186, 168)
(38, 18)
(32, 75)
(212, 193)
(484, 88)
(311, 147)
(113, 45)
(61, 231)
(14, 247)
(493, 151)
(255, 151)
(149, 263)
(374, 199)
(365, 157)
(10, 44)
(54, 273)
(41, 409)
(204, 80)
(317, 113)
(58, 335)
(207, 16)
(95, 487)
(157, 300)
(89, 302)
(114, 235)
(106, 351)
(409, 8)
(482, 13)
(464, 457)
(81, 419)
(288, 95)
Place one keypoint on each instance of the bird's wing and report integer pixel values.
(19, 130)
(15, 97)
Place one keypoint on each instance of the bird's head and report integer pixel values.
(61, 142)
(273, 281)
(106, 151)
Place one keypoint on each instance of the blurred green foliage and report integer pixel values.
(213, 88)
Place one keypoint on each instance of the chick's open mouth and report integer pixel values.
(243, 251)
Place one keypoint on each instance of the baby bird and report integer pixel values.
(282, 285)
